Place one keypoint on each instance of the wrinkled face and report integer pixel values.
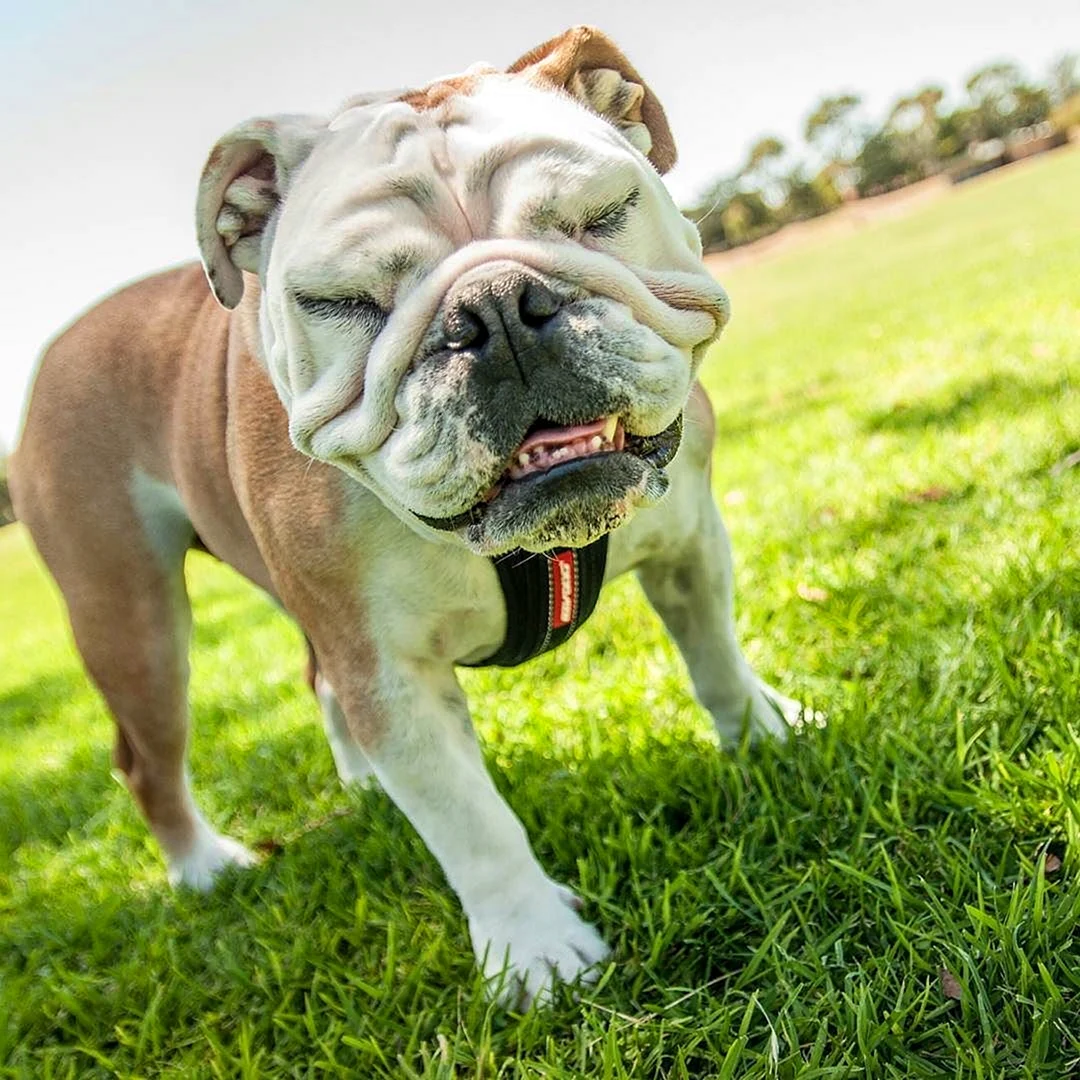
(489, 312)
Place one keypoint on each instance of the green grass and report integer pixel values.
(891, 407)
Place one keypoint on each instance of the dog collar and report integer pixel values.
(548, 596)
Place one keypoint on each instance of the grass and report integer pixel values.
(893, 896)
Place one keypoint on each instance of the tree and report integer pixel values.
(747, 217)
(7, 513)
(914, 124)
(1064, 78)
(955, 130)
(919, 111)
(765, 150)
(762, 169)
(1032, 106)
(994, 97)
(880, 165)
(807, 198)
(708, 214)
(833, 130)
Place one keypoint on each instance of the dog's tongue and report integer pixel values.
(562, 436)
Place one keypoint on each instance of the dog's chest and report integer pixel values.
(434, 602)
(437, 602)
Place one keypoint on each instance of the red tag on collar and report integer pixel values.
(564, 588)
(548, 595)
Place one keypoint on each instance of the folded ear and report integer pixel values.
(587, 65)
(242, 182)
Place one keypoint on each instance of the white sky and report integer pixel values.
(108, 109)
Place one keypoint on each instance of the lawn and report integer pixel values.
(895, 895)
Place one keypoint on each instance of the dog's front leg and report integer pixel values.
(691, 589)
(413, 724)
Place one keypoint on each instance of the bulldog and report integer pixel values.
(450, 339)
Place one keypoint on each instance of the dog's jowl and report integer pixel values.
(444, 330)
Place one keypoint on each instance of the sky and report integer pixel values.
(108, 109)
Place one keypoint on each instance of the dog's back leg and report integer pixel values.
(353, 767)
(117, 552)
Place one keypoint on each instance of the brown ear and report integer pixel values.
(242, 182)
(587, 65)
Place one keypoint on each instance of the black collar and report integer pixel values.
(548, 596)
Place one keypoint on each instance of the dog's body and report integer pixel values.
(161, 421)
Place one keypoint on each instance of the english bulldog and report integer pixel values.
(450, 333)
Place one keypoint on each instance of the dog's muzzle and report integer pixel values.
(558, 453)
(500, 317)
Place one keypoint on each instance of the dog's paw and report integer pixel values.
(209, 855)
(768, 712)
(794, 714)
(534, 939)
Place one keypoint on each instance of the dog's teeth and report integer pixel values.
(595, 443)
(609, 428)
(523, 460)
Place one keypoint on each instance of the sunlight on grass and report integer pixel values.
(891, 407)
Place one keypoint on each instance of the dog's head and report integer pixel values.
(477, 298)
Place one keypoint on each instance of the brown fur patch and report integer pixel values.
(572, 63)
(583, 49)
(437, 94)
(699, 411)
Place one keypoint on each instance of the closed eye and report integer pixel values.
(358, 310)
(609, 220)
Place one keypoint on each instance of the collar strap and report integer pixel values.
(548, 596)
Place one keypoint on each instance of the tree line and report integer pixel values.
(7, 512)
(846, 157)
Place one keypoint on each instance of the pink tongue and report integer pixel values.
(562, 436)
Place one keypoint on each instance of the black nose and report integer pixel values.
(511, 310)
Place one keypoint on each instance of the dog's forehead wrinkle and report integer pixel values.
(414, 186)
(399, 262)
(448, 171)
(367, 107)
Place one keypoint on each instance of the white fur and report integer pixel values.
(490, 162)
(353, 767)
(430, 765)
(528, 935)
(163, 517)
(210, 854)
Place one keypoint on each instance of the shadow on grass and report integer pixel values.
(22, 707)
(691, 862)
(50, 800)
(1001, 393)
(212, 629)
(50, 803)
(904, 515)
(774, 409)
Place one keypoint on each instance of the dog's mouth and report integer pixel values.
(550, 451)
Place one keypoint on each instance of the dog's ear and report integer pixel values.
(587, 65)
(242, 182)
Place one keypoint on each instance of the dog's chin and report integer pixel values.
(538, 504)
(570, 505)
